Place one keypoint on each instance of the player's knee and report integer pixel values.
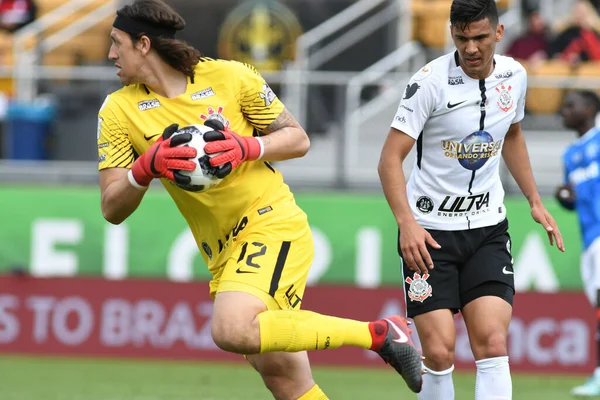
(489, 346)
(283, 387)
(439, 357)
(234, 337)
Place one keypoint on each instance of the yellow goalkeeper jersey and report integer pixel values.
(253, 195)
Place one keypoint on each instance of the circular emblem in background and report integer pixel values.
(473, 155)
(260, 33)
(424, 204)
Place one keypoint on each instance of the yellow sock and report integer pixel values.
(314, 394)
(299, 330)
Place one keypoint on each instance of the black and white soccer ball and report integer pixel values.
(204, 176)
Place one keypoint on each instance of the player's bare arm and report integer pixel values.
(285, 139)
(413, 238)
(119, 198)
(516, 157)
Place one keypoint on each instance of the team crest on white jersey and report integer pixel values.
(505, 100)
(419, 289)
(216, 115)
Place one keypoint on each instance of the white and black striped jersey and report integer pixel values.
(459, 124)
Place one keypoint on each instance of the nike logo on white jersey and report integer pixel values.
(507, 272)
(402, 338)
(451, 106)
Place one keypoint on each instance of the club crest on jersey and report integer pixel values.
(505, 100)
(419, 289)
(424, 204)
(203, 94)
(267, 95)
(216, 115)
(148, 104)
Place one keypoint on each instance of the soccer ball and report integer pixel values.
(204, 176)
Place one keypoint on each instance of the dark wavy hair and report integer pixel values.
(176, 53)
(464, 12)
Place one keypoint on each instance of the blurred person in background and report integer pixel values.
(532, 46)
(581, 192)
(578, 39)
(463, 110)
(255, 240)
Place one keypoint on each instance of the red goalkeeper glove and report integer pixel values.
(234, 149)
(164, 159)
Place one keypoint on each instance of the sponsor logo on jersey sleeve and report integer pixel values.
(267, 95)
(100, 121)
(505, 101)
(400, 118)
(418, 289)
(148, 104)
(474, 150)
(411, 90)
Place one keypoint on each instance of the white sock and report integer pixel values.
(493, 379)
(437, 385)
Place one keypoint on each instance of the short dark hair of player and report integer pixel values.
(591, 99)
(464, 12)
(176, 53)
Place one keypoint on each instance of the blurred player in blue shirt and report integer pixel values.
(581, 192)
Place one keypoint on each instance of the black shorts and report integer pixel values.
(470, 264)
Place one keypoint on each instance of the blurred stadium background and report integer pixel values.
(94, 311)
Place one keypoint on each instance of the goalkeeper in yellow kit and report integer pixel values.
(254, 238)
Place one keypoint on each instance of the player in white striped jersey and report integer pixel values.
(463, 111)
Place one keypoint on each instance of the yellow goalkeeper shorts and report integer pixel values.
(271, 263)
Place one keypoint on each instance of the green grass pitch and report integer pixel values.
(29, 378)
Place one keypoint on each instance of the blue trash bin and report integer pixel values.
(27, 130)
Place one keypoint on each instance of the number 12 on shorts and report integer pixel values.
(250, 259)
